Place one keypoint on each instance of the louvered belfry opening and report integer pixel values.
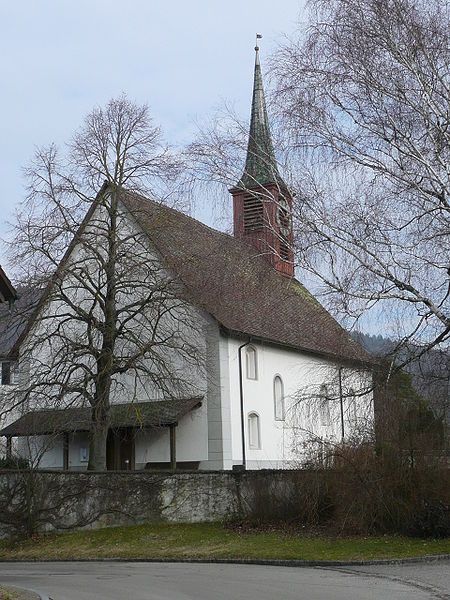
(284, 216)
(284, 250)
(253, 212)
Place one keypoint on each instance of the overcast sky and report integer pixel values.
(59, 58)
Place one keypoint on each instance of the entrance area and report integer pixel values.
(120, 450)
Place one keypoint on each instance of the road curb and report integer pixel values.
(244, 561)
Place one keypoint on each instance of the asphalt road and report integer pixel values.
(178, 581)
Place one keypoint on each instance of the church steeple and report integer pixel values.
(262, 204)
(260, 165)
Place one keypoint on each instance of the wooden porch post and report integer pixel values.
(66, 451)
(173, 447)
(8, 446)
(133, 450)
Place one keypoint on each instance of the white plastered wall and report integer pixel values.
(284, 443)
(153, 445)
(192, 437)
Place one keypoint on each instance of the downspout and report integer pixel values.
(241, 398)
(341, 402)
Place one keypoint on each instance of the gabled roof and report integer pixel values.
(7, 291)
(228, 279)
(14, 320)
(139, 415)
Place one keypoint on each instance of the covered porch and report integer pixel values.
(133, 427)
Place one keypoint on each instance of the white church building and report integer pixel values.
(281, 380)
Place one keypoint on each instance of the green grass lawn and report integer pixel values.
(7, 594)
(212, 540)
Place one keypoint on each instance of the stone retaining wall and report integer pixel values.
(51, 500)
(412, 501)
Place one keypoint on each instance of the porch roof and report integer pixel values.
(161, 413)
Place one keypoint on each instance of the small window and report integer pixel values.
(251, 363)
(278, 398)
(352, 398)
(6, 373)
(254, 433)
(307, 409)
(84, 454)
(325, 417)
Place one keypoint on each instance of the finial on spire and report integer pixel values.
(258, 37)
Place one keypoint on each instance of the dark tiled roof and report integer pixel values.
(145, 414)
(246, 295)
(14, 320)
(228, 279)
(7, 291)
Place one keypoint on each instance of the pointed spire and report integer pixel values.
(261, 165)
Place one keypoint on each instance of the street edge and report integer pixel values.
(429, 558)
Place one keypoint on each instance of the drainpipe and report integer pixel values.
(341, 401)
(241, 398)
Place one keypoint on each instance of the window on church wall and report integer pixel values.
(254, 432)
(251, 362)
(278, 398)
(352, 398)
(7, 374)
(325, 414)
(253, 212)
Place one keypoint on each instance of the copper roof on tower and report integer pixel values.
(260, 165)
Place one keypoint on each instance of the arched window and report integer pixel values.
(254, 431)
(325, 416)
(278, 398)
(251, 363)
(352, 398)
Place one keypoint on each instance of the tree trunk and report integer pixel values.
(97, 447)
(101, 409)
(105, 362)
(99, 424)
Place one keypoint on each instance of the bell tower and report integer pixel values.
(262, 204)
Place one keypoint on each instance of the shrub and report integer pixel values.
(286, 498)
(432, 520)
(362, 494)
(14, 462)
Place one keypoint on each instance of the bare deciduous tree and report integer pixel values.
(111, 323)
(362, 129)
(364, 99)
